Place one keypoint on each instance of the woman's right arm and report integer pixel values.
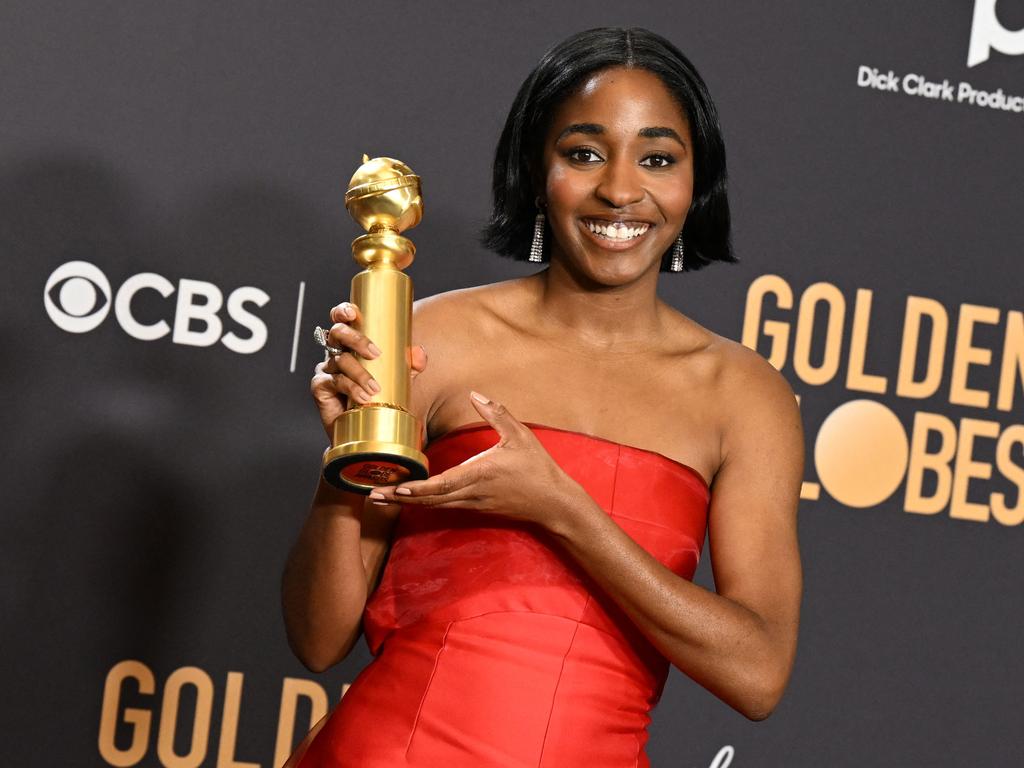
(330, 573)
(335, 564)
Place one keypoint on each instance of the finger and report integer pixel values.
(350, 366)
(344, 384)
(320, 384)
(378, 500)
(344, 335)
(326, 385)
(463, 498)
(417, 360)
(497, 415)
(450, 483)
(385, 496)
(326, 398)
(346, 312)
(447, 502)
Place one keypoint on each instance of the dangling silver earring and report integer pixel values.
(537, 246)
(678, 251)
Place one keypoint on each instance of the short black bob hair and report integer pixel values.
(560, 72)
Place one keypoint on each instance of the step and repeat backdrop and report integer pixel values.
(172, 227)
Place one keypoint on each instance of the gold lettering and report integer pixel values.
(921, 461)
(855, 376)
(291, 690)
(1013, 360)
(776, 330)
(965, 355)
(917, 307)
(833, 298)
(169, 718)
(229, 725)
(968, 469)
(1013, 472)
(139, 719)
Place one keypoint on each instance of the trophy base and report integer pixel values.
(374, 445)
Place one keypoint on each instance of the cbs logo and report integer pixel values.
(78, 297)
(987, 32)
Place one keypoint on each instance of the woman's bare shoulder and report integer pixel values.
(456, 328)
(726, 362)
(745, 402)
(755, 400)
(451, 313)
(736, 381)
(745, 370)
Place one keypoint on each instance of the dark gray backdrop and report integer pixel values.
(151, 489)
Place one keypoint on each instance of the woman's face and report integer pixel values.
(618, 175)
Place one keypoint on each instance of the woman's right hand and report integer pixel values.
(343, 375)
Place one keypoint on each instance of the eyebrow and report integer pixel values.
(589, 129)
(661, 132)
(593, 129)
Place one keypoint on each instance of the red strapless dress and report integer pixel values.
(493, 648)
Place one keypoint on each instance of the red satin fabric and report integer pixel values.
(493, 648)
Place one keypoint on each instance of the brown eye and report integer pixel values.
(583, 155)
(657, 161)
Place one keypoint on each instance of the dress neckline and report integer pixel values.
(478, 425)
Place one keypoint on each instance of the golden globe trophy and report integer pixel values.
(380, 443)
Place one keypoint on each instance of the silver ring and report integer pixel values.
(320, 337)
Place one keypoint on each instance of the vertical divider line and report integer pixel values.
(298, 319)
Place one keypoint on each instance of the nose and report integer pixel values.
(619, 184)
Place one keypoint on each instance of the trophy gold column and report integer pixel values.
(380, 443)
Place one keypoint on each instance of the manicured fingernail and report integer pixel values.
(403, 491)
(373, 385)
(362, 396)
(479, 398)
(376, 495)
(374, 349)
(379, 503)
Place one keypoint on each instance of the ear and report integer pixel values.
(538, 197)
(538, 183)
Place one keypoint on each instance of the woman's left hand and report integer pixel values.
(517, 478)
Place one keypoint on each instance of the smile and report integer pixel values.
(617, 230)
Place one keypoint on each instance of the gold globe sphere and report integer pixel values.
(384, 194)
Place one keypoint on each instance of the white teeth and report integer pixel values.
(616, 230)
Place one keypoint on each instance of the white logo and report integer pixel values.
(72, 301)
(987, 33)
(78, 307)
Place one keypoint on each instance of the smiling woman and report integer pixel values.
(524, 603)
(569, 70)
(624, 187)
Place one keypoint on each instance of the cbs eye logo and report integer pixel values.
(77, 297)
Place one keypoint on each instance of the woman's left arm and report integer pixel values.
(738, 642)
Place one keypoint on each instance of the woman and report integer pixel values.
(539, 583)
